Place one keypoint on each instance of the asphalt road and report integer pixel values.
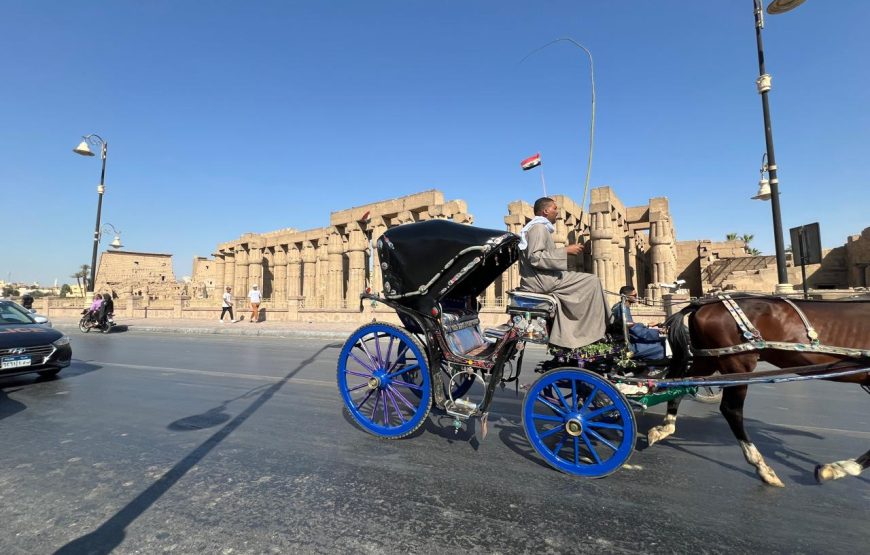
(159, 443)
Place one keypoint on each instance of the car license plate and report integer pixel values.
(14, 362)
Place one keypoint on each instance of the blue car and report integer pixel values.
(27, 346)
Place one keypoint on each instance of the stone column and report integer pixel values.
(335, 272)
(377, 226)
(279, 275)
(255, 266)
(218, 273)
(241, 287)
(322, 269)
(294, 271)
(356, 257)
(309, 273)
(601, 235)
(489, 296)
(229, 271)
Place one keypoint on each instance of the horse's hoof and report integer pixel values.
(654, 437)
(771, 479)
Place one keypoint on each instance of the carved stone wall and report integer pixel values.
(322, 268)
(144, 274)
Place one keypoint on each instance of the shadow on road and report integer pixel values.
(212, 417)
(112, 532)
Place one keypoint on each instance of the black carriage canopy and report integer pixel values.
(425, 262)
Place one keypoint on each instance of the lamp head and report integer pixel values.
(782, 6)
(83, 149)
(116, 243)
(763, 190)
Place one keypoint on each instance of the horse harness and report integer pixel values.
(754, 341)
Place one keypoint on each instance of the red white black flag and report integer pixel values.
(531, 162)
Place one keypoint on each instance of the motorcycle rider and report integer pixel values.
(106, 309)
(95, 307)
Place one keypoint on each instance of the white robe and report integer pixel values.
(581, 315)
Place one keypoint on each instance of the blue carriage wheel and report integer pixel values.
(383, 377)
(579, 422)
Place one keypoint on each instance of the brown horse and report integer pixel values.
(711, 326)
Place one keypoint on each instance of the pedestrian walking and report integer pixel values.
(227, 305)
(255, 298)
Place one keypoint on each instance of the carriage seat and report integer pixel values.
(536, 303)
(463, 335)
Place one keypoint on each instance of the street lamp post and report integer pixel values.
(84, 150)
(764, 84)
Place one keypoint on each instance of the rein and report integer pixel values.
(754, 341)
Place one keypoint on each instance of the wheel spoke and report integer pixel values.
(377, 402)
(364, 348)
(386, 415)
(550, 432)
(547, 417)
(560, 444)
(598, 436)
(561, 397)
(609, 426)
(553, 407)
(408, 385)
(395, 406)
(366, 398)
(403, 370)
(573, 395)
(351, 372)
(591, 449)
(402, 398)
(589, 399)
(366, 366)
(360, 386)
(400, 352)
(378, 350)
(576, 451)
(599, 412)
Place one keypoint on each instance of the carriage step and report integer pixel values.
(461, 408)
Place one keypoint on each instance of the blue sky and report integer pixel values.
(229, 117)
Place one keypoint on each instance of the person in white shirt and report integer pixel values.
(255, 298)
(228, 305)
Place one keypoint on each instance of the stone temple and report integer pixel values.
(317, 274)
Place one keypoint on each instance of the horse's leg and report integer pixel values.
(732, 410)
(668, 427)
(841, 469)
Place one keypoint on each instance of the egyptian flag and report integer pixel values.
(531, 162)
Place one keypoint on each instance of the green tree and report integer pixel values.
(65, 290)
(81, 278)
(9, 291)
(731, 237)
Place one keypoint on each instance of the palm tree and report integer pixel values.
(747, 238)
(82, 277)
(731, 237)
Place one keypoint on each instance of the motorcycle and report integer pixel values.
(90, 322)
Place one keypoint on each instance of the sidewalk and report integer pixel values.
(332, 330)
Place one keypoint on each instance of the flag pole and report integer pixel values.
(543, 182)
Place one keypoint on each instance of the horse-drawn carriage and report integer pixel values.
(578, 414)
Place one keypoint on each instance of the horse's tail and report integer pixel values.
(681, 342)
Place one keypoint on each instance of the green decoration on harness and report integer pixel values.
(664, 395)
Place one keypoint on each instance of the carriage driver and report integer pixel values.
(581, 314)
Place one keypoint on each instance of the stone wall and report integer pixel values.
(144, 274)
(320, 268)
